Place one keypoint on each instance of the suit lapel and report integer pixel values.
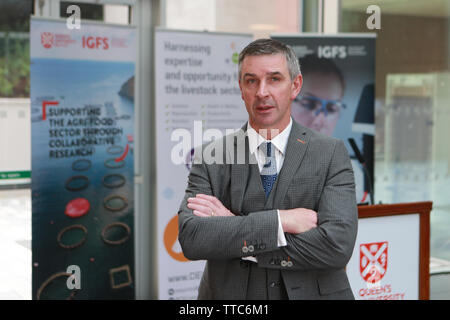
(240, 173)
(295, 152)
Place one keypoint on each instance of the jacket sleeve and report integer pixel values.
(330, 244)
(222, 237)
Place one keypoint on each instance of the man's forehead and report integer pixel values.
(267, 63)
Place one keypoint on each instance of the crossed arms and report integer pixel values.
(321, 240)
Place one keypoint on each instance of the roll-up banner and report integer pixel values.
(197, 99)
(82, 113)
(337, 97)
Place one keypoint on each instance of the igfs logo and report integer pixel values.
(47, 39)
(331, 52)
(373, 259)
(95, 42)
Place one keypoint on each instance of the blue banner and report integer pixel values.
(82, 103)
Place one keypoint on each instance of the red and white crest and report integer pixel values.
(47, 39)
(373, 260)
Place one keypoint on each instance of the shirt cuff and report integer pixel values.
(281, 242)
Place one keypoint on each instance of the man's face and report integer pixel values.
(306, 110)
(268, 91)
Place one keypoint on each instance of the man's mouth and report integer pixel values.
(264, 108)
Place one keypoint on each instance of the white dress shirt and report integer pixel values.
(280, 143)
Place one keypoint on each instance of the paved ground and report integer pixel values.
(15, 250)
(439, 279)
(440, 287)
(15, 244)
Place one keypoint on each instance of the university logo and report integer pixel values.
(47, 39)
(373, 260)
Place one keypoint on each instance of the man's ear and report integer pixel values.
(296, 86)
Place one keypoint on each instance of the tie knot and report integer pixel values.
(266, 148)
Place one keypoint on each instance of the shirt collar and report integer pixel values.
(280, 141)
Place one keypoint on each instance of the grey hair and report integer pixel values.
(268, 47)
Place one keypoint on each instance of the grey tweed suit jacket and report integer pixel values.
(316, 174)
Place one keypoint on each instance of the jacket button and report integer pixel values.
(273, 284)
(244, 264)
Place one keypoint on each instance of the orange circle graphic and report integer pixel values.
(170, 239)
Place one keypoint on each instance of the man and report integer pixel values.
(319, 104)
(283, 224)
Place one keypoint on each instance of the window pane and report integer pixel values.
(258, 17)
(14, 48)
(412, 153)
(88, 10)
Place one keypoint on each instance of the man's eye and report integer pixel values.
(275, 79)
(251, 81)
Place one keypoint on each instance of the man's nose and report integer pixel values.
(262, 91)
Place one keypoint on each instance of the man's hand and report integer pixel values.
(208, 206)
(298, 220)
